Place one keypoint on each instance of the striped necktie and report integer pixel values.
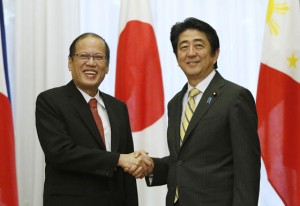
(188, 113)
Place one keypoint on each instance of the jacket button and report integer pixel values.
(179, 162)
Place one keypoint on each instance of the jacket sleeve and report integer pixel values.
(160, 172)
(246, 150)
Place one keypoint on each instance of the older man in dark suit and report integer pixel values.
(86, 146)
(212, 129)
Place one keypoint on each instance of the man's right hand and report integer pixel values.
(141, 166)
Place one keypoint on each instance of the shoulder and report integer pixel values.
(53, 92)
(231, 92)
(179, 96)
(237, 95)
(233, 86)
(175, 98)
(236, 89)
(52, 98)
(227, 86)
(220, 82)
(109, 99)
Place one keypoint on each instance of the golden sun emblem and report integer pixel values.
(280, 8)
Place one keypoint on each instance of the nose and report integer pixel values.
(91, 61)
(191, 51)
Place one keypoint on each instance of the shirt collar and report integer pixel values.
(204, 83)
(88, 97)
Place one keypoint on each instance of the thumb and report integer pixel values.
(137, 154)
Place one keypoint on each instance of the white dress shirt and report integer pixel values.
(201, 86)
(103, 114)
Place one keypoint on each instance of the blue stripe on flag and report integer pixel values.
(3, 40)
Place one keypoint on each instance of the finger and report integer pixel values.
(132, 169)
(150, 166)
(144, 152)
(141, 175)
(138, 172)
(143, 164)
(147, 160)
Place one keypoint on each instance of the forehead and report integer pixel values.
(90, 43)
(191, 35)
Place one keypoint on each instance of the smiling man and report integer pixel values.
(86, 136)
(212, 129)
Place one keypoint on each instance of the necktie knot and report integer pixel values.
(93, 103)
(193, 92)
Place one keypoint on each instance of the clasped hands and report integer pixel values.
(138, 163)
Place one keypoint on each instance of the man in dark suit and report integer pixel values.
(85, 161)
(212, 136)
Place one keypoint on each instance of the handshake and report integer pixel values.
(138, 164)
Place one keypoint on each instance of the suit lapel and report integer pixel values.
(84, 112)
(210, 96)
(113, 119)
(178, 116)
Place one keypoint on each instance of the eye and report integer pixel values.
(84, 56)
(183, 47)
(99, 57)
(199, 46)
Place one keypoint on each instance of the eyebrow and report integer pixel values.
(84, 52)
(194, 40)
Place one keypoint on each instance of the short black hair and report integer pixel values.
(72, 49)
(194, 23)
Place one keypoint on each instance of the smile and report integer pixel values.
(193, 62)
(90, 72)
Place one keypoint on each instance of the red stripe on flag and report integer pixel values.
(278, 106)
(8, 182)
(138, 78)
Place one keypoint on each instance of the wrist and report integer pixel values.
(121, 160)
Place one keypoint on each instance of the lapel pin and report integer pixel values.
(209, 100)
(214, 94)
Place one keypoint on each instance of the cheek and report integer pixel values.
(104, 69)
(181, 64)
(181, 55)
(181, 59)
(76, 71)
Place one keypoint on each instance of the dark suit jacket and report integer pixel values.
(79, 171)
(218, 163)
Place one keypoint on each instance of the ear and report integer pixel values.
(107, 69)
(216, 56)
(70, 63)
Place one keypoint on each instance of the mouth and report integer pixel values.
(192, 63)
(90, 73)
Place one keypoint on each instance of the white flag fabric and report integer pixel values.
(139, 85)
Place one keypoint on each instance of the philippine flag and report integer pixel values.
(139, 85)
(8, 182)
(278, 103)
